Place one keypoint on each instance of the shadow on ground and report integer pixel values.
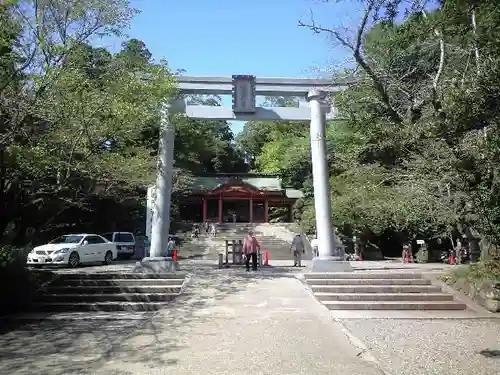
(490, 353)
(84, 347)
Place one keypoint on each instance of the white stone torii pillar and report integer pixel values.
(244, 90)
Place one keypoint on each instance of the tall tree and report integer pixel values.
(71, 113)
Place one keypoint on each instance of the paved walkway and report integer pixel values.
(229, 322)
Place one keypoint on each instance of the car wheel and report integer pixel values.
(74, 260)
(108, 258)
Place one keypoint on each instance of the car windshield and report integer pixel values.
(67, 239)
(124, 237)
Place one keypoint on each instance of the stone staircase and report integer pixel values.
(379, 290)
(278, 247)
(108, 291)
(236, 229)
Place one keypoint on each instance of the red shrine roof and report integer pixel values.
(246, 184)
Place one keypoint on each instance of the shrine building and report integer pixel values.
(243, 198)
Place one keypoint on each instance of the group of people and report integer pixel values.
(251, 247)
(209, 228)
(169, 251)
(458, 251)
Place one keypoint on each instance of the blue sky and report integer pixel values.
(225, 37)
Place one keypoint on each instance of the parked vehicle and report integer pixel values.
(73, 250)
(125, 243)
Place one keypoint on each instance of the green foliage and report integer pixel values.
(79, 125)
(256, 134)
(278, 214)
(207, 146)
(6, 256)
(476, 273)
(418, 151)
(285, 155)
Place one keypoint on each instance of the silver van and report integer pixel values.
(125, 243)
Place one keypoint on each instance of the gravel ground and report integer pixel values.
(432, 347)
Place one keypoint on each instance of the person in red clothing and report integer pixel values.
(250, 248)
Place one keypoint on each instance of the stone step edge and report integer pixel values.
(375, 288)
(373, 281)
(362, 275)
(80, 316)
(415, 286)
(102, 303)
(401, 295)
(96, 295)
(118, 281)
(83, 287)
(394, 303)
(120, 276)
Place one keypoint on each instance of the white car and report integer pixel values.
(73, 250)
(124, 241)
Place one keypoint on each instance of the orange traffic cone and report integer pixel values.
(174, 256)
(266, 258)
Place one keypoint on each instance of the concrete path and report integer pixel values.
(228, 317)
(229, 322)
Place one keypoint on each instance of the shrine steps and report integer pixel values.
(376, 290)
(107, 291)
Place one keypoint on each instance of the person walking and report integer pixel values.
(407, 253)
(315, 246)
(170, 247)
(250, 248)
(298, 249)
(458, 252)
(214, 229)
(195, 232)
(146, 245)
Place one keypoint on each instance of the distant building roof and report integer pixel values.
(294, 193)
(269, 183)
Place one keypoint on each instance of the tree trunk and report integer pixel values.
(474, 249)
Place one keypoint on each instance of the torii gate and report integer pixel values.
(244, 89)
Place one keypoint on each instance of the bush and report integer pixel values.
(488, 270)
(485, 270)
(18, 285)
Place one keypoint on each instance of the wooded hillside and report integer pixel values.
(417, 155)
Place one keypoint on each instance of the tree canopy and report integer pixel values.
(79, 124)
(416, 151)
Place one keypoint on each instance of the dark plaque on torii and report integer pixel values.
(243, 94)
